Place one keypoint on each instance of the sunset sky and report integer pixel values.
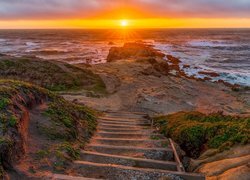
(129, 13)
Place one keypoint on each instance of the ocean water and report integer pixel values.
(225, 51)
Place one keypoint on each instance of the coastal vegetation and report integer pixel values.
(58, 128)
(196, 132)
(52, 75)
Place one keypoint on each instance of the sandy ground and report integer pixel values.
(131, 88)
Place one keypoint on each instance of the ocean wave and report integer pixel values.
(215, 44)
(50, 52)
(31, 44)
(3, 40)
(234, 78)
(229, 76)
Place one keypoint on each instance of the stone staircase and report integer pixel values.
(126, 147)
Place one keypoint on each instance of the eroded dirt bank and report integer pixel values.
(40, 132)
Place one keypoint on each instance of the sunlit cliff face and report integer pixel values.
(124, 13)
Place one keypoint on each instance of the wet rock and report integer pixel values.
(207, 78)
(186, 66)
(173, 59)
(225, 83)
(211, 74)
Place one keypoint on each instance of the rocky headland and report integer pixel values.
(44, 128)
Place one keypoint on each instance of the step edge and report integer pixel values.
(128, 147)
(138, 169)
(125, 139)
(130, 158)
(69, 177)
(122, 133)
(117, 125)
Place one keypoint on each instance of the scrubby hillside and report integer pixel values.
(54, 76)
(219, 143)
(196, 132)
(47, 129)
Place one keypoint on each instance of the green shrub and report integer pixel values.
(4, 102)
(12, 121)
(196, 132)
(73, 152)
(41, 154)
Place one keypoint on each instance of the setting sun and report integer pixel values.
(124, 23)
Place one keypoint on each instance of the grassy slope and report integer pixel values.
(54, 76)
(69, 125)
(195, 132)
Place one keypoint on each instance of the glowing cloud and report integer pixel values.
(105, 13)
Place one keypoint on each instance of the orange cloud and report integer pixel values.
(107, 13)
(65, 9)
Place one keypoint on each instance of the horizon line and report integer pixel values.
(144, 28)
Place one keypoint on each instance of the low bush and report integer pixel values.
(196, 132)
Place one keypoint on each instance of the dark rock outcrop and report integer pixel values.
(173, 60)
(158, 67)
(132, 50)
(211, 74)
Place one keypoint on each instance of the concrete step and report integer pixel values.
(119, 172)
(127, 161)
(121, 119)
(125, 122)
(132, 142)
(128, 115)
(148, 153)
(66, 177)
(106, 129)
(121, 126)
(126, 112)
(128, 135)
